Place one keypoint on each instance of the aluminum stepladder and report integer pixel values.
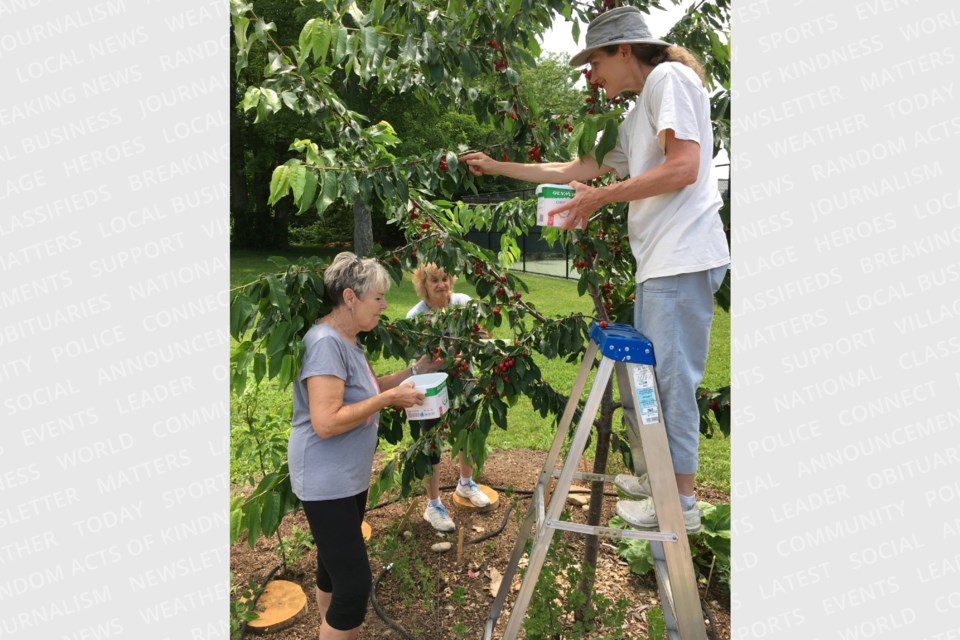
(624, 349)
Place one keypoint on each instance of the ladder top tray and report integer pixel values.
(623, 343)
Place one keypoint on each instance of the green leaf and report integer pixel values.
(251, 98)
(259, 366)
(278, 298)
(288, 367)
(340, 44)
(329, 193)
(278, 338)
(240, 26)
(354, 12)
(455, 8)
(370, 40)
(271, 99)
(279, 183)
(607, 141)
(322, 34)
(270, 516)
(251, 521)
(309, 190)
(589, 137)
(350, 185)
(306, 37)
(298, 181)
(240, 311)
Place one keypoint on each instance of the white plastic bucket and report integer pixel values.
(551, 196)
(437, 402)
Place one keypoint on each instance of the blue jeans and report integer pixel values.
(675, 314)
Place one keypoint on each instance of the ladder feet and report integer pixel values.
(641, 514)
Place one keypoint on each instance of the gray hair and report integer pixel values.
(347, 271)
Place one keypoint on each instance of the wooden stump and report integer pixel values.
(366, 530)
(281, 604)
(463, 503)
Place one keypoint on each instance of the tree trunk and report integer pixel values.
(362, 228)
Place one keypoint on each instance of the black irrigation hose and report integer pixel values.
(503, 525)
(387, 620)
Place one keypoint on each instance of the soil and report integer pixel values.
(435, 616)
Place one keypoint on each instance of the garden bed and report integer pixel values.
(434, 597)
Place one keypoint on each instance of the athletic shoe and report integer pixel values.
(472, 492)
(641, 514)
(633, 486)
(439, 518)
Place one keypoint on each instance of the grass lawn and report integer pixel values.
(552, 296)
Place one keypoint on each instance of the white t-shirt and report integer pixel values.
(456, 300)
(679, 231)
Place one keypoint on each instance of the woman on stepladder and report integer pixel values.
(665, 146)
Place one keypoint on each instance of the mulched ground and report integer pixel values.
(431, 612)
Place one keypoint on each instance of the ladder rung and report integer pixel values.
(610, 532)
(590, 477)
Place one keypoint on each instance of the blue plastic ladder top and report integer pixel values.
(623, 343)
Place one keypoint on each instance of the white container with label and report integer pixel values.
(437, 402)
(551, 196)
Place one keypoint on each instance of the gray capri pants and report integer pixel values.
(675, 314)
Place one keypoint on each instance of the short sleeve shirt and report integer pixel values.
(337, 467)
(679, 231)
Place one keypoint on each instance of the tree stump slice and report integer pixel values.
(280, 605)
(366, 530)
(463, 503)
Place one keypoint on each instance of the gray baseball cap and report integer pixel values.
(623, 25)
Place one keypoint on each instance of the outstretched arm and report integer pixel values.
(585, 169)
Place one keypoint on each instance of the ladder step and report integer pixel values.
(588, 477)
(612, 533)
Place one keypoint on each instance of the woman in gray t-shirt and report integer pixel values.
(337, 400)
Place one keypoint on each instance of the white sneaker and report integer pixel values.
(472, 492)
(633, 486)
(439, 518)
(641, 514)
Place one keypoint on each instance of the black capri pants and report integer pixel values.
(343, 567)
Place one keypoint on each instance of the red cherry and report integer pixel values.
(603, 324)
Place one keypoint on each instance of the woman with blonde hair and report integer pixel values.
(435, 290)
(665, 146)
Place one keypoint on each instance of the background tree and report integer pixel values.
(332, 76)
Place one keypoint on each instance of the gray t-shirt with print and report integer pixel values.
(337, 467)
